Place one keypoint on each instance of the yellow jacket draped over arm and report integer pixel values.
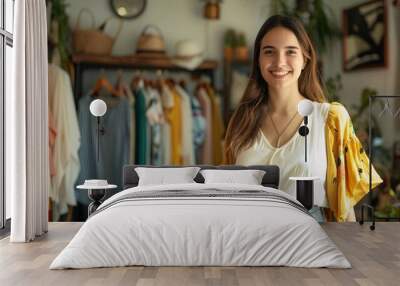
(347, 178)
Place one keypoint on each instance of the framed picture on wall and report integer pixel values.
(365, 36)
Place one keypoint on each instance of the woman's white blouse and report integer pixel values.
(290, 156)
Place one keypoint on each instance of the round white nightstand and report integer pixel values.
(95, 194)
(305, 190)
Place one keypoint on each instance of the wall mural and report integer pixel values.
(365, 36)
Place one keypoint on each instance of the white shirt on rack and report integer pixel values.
(187, 127)
(62, 106)
(290, 156)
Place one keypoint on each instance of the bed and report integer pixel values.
(201, 224)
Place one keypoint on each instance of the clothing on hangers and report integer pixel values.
(206, 152)
(199, 127)
(67, 141)
(141, 126)
(217, 126)
(155, 116)
(187, 127)
(52, 143)
(174, 118)
(167, 127)
(114, 143)
(124, 90)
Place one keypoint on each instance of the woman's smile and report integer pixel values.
(280, 74)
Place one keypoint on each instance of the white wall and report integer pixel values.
(385, 80)
(382, 79)
(180, 19)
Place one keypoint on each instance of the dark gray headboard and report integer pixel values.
(270, 179)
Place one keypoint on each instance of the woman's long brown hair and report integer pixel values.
(246, 121)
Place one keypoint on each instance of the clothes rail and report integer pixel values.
(386, 109)
(90, 62)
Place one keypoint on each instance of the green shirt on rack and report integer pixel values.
(141, 127)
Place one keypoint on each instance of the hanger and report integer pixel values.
(103, 83)
(153, 83)
(182, 83)
(137, 80)
(147, 82)
(119, 88)
(195, 78)
(397, 113)
(387, 107)
(170, 82)
(200, 85)
(159, 81)
(159, 74)
(119, 77)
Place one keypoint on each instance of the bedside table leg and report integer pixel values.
(93, 207)
(95, 196)
(305, 193)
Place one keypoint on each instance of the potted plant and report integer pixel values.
(241, 49)
(333, 85)
(229, 44)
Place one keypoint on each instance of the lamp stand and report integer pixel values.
(305, 192)
(305, 185)
(303, 130)
(98, 138)
(305, 137)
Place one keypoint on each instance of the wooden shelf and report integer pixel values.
(137, 62)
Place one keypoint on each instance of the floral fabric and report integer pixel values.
(347, 178)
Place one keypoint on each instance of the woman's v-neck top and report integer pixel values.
(290, 156)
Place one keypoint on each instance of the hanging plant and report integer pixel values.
(317, 17)
(60, 31)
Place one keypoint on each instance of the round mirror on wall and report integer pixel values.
(128, 9)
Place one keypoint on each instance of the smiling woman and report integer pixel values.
(281, 45)
(281, 58)
(264, 128)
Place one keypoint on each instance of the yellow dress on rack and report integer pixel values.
(347, 178)
(217, 127)
(173, 116)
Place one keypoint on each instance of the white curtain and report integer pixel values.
(27, 161)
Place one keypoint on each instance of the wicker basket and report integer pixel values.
(150, 43)
(92, 41)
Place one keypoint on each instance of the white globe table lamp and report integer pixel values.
(98, 107)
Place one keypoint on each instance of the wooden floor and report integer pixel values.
(374, 255)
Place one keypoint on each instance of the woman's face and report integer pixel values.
(281, 58)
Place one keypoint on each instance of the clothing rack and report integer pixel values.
(369, 206)
(89, 62)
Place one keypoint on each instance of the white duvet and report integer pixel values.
(200, 231)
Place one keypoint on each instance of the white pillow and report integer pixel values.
(248, 177)
(162, 176)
